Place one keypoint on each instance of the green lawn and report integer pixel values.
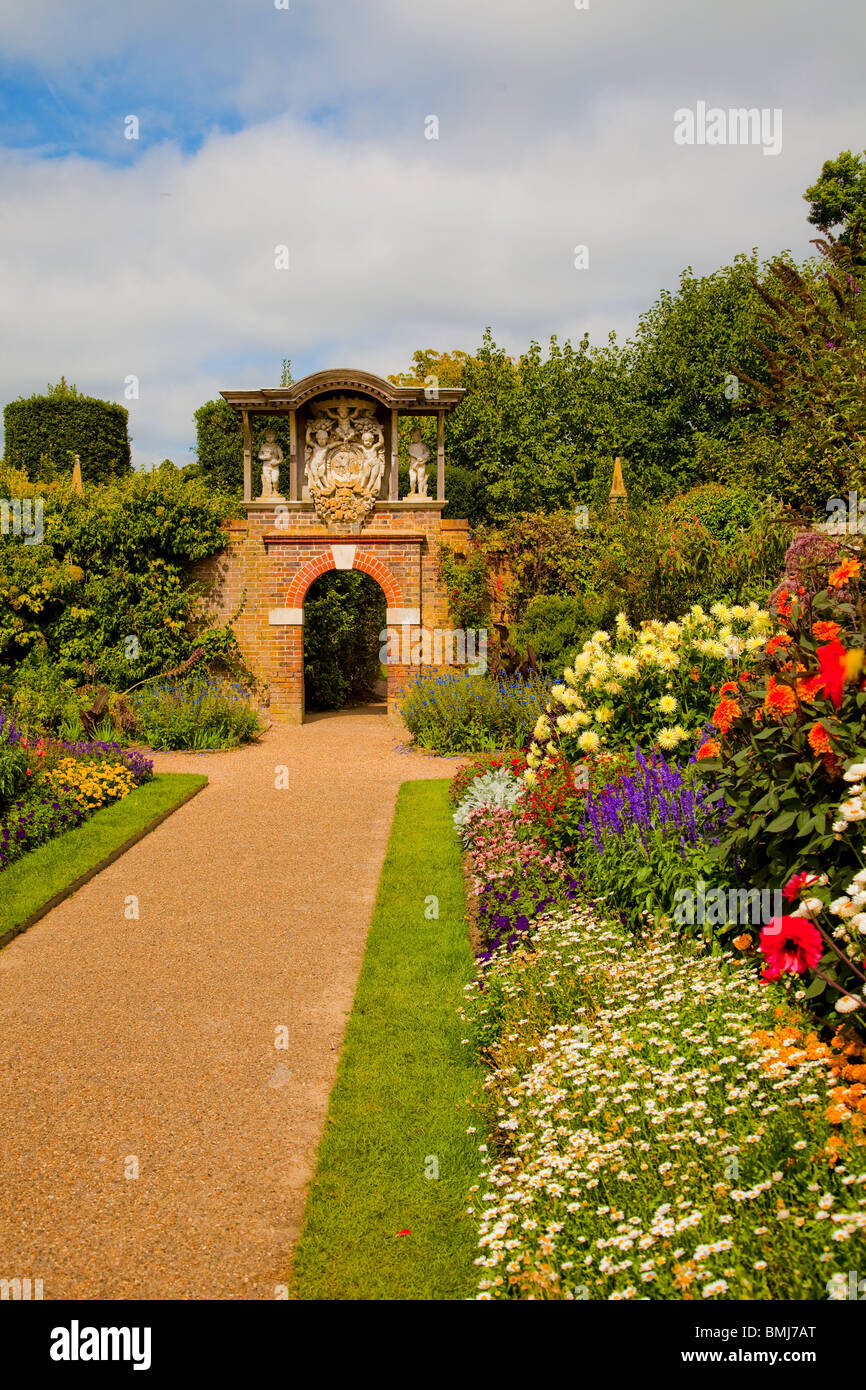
(34, 883)
(400, 1106)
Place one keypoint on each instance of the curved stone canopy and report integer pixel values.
(406, 400)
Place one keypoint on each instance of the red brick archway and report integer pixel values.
(369, 564)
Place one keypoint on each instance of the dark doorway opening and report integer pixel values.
(344, 617)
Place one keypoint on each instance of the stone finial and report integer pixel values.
(617, 487)
(77, 480)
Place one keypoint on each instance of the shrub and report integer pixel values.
(651, 687)
(107, 596)
(43, 431)
(220, 446)
(39, 697)
(555, 626)
(455, 712)
(465, 581)
(13, 761)
(497, 787)
(195, 714)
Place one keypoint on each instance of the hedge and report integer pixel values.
(43, 431)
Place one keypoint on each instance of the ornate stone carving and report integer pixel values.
(345, 458)
(270, 456)
(419, 454)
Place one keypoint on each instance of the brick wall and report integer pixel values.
(272, 558)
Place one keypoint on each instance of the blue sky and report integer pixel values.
(306, 127)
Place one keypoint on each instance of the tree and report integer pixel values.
(815, 353)
(838, 197)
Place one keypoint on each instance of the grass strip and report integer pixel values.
(400, 1106)
(41, 879)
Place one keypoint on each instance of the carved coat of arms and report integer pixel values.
(345, 458)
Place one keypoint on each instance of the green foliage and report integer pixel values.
(838, 197)
(455, 712)
(541, 554)
(814, 344)
(44, 431)
(13, 764)
(344, 616)
(555, 626)
(39, 697)
(220, 446)
(195, 713)
(650, 561)
(679, 389)
(107, 596)
(465, 581)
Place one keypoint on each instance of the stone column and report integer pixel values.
(294, 490)
(394, 489)
(440, 456)
(248, 457)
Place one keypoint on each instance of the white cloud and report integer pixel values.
(551, 136)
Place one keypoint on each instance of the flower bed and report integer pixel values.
(455, 712)
(57, 785)
(652, 687)
(659, 1127)
(195, 713)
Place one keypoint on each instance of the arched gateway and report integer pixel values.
(333, 504)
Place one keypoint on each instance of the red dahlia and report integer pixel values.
(791, 945)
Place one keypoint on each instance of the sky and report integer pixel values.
(429, 166)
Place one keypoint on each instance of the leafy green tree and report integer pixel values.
(814, 346)
(684, 378)
(838, 197)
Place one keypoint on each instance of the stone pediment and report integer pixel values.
(414, 400)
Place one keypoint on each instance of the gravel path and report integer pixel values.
(152, 1042)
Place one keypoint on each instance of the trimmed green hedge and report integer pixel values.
(43, 431)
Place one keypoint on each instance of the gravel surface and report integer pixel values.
(150, 1043)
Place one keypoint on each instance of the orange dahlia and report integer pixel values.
(710, 749)
(781, 639)
(725, 713)
(819, 740)
(810, 687)
(780, 699)
(849, 569)
(825, 631)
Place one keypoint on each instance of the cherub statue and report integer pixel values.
(418, 455)
(318, 439)
(270, 456)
